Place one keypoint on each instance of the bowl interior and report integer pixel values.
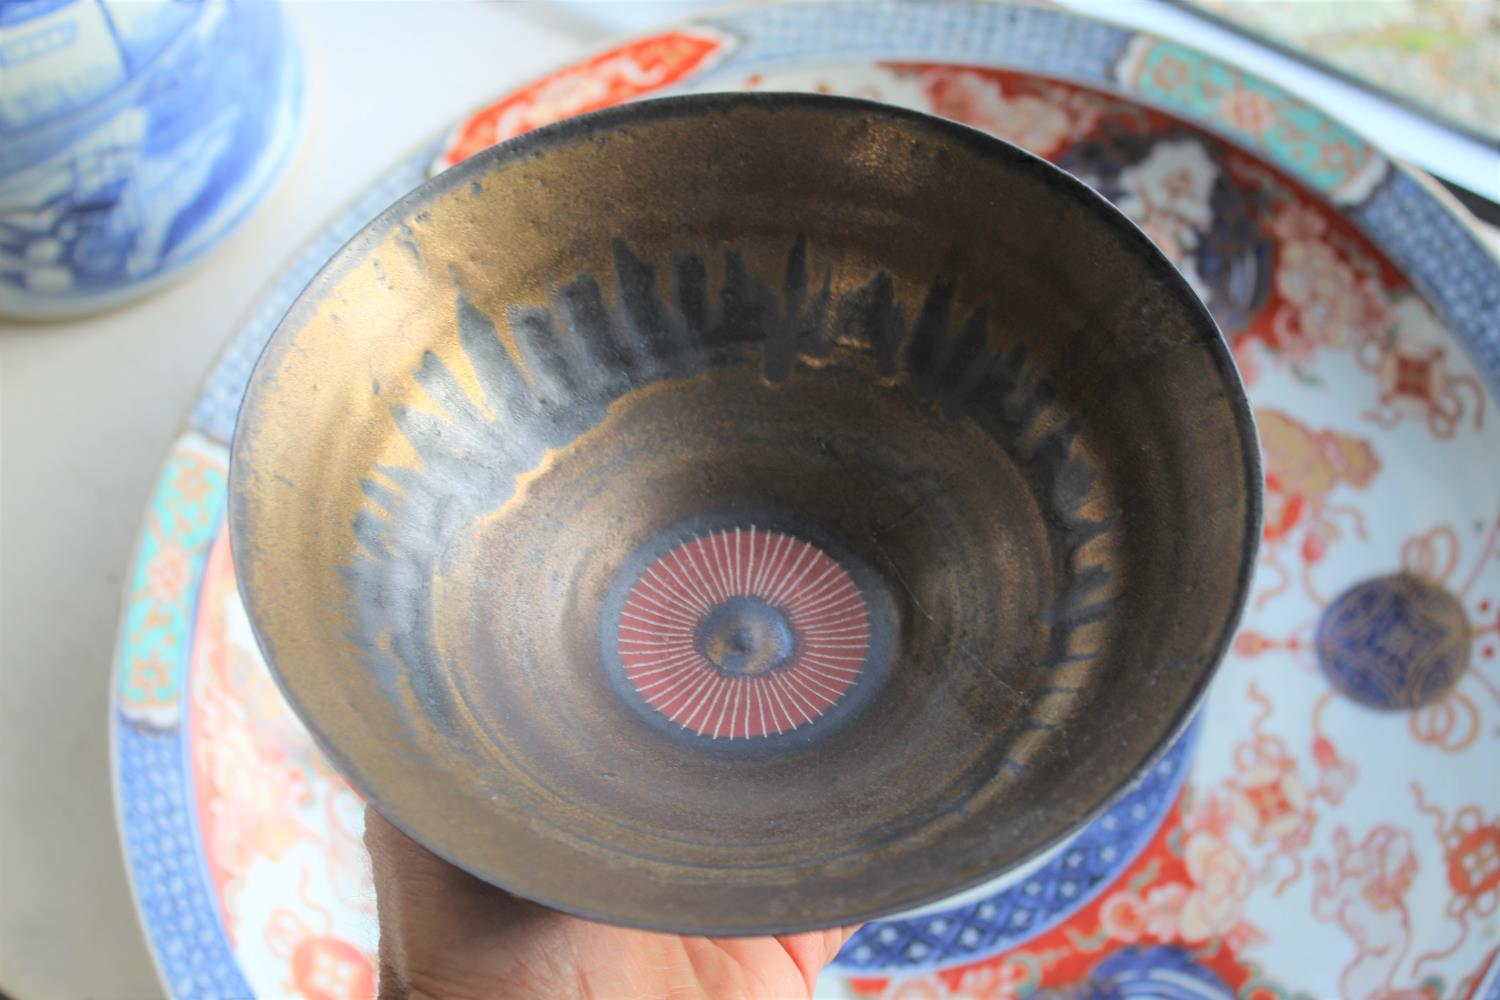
(732, 514)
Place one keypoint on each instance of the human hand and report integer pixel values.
(446, 935)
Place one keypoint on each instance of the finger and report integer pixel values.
(443, 932)
(424, 885)
(812, 950)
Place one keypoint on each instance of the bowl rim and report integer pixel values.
(537, 142)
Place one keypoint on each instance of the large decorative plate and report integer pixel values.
(1329, 828)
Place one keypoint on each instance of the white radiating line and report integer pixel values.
(795, 685)
(656, 688)
(782, 584)
(729, 565)
(677, 593)
(738, 587)
(643, 679)
(720, 542)
(777, 690)
(669, 628)
(843, 632)
(863, 616)
(680, 589)
(833, 660)
(702, 557)
(642, 604)
(678, 557)
(838, 598)
(817, 688)
(686, 688)
(706, 700)
(786, 715)
(654, 640)
(856, 637)
(734, 705)
(692, 553)
(851, 671)
(677, 673)
(812, 596)
(692, 702)
(827, 614)
(844, 679)
(758, 584)
(744, 564)
(727, 703)
(644, 601)
(672, 671)
(817, 589)
(773, 586)
(812, 588)
(830, 595)
(677, 686)
(829, 622)
(825, 657)
(807, 604)
(694, 665)
(657, 659)
(653, 667)
(745, 687)
(758, 561)
(802, 678)
(854, 640)
(760, 706)
(651, 642)
(839, 685)
(830, 616)
(779, 583)
(722, 702)
(784, 546)
(659, 591)
(827, 660)
(711, 571)
(828, 665)
(795, 698)
(661, 597)
(750, 561)
(782, 568)
(715, 703)
(789, 589)
(660, 632)
(720, 562)
(860, 624)
(752, 700)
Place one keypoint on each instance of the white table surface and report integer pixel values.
(88, 409)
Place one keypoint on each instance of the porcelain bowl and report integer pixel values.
(736, 514)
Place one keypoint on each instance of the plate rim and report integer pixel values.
(420, 154)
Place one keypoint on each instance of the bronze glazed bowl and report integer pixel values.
(736, 514)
